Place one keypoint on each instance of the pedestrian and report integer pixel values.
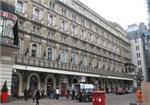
(54, 94)
(37, 96)
(33, 96)
(57, 93)
(139, 96)
(25, 94)
(80, 96)
(73, 94)
(42, 93)
(67, 94)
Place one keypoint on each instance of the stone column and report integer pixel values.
(69, 55)
(57, 51)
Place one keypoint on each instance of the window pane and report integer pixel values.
(50, 53)
(19, 6)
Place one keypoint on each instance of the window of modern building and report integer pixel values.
(139, 62)
(34, 50)
(49, 53)
(20, 6)
(140, 70)
(137, 47)
(63, 56)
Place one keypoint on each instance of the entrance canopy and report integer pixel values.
(39, 69)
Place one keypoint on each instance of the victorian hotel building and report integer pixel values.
(61, 42)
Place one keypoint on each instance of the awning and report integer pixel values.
(56, 71)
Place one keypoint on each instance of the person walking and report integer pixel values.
(139, 96)
(73, 94)
(57, 93)
(37, 96)
(42, 93)
(33, 96)
(67, 93)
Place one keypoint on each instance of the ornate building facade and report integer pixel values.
(62, 42)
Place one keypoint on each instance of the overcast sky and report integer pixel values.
(124, 12)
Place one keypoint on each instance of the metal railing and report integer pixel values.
(7, 41)
(41, 62)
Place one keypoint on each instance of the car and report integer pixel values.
(120, 91)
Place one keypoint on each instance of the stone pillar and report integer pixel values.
(57, 51)
(69, 55)
(79, 57)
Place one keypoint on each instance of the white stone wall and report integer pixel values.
(134, 56)
(5, 71)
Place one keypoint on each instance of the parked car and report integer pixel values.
(120, 91)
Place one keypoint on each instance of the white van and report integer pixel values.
(83, 91)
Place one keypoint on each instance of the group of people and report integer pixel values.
(53, 94)
(35, 94)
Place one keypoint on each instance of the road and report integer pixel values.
(111, 99)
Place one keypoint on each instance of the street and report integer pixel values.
(111, 99)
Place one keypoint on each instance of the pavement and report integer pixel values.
(111, 99)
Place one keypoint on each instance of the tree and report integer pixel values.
(4, 88)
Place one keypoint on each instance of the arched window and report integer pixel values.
(33, 82)
(34, 50)
(49, 53)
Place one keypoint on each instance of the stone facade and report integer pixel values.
(63, 41)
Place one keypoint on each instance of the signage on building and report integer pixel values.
(7, 22)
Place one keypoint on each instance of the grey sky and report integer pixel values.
(124, 12)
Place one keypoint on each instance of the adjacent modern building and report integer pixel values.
(62, 42)
(136, 34)
(146, 39)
